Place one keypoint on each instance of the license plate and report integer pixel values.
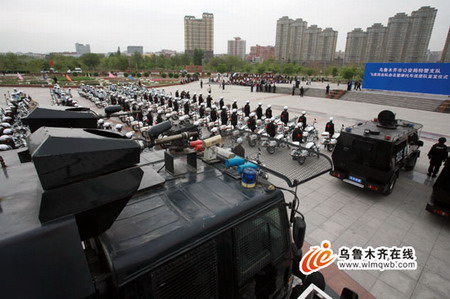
(354, 179)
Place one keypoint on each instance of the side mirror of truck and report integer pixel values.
(298, 231)
(112, 109)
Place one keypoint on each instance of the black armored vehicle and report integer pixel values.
(440, 197)
(91, 213)
(370, 154)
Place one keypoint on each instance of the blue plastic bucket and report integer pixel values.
(249, 178)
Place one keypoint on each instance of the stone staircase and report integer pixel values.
(395, 100)
(444, 107)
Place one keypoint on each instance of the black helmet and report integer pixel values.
(442, 140)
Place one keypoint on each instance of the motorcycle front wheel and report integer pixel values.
(301, 160)
(252, 142)
(271, 150)
(330, 147)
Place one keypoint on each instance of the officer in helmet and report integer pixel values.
(297, 133)
(234, 118)
(285, 115)
(251, 123)
(259, 111)
(239, 149)
(247, 108)
(119, 127)
(269, 111)
(176, 106)
(329, 127)
(213, 113)
(271, 129)
(186, 107)
(209, 101)
(302, 119)
(437, 154)
(234, 106)
(201, 110)
(224, 116)
(221, 103)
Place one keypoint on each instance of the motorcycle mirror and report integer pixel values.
(298, 231)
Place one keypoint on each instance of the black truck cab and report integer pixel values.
(370, 154)
(92, 216)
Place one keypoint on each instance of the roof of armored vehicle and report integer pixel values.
(160, 221)
(372, 129)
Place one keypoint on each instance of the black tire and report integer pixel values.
(391, 184)
(330, 147)
(301, 160)
(271, 150)
(252, 142)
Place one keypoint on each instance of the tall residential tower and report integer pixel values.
(199, 34)
(237, 47)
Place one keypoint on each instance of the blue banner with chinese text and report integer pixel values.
(411, 77)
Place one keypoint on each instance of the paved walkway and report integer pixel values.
(349, 216)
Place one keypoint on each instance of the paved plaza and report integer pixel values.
(347, 215)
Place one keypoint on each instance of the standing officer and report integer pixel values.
(251, 123)
(221, 103)
(234, 106)
(285, 115)
(329, 127)
(297, 133)
(259, 111)
(302, 119)
(271, 129)
(437, 154)
(247, 108)
(234, 118)
(224, 116)
(269, 111)
(201, 110)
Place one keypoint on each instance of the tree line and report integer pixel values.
(137, 62)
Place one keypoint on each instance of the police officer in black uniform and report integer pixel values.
(271, 129)
(224, 116)
(234, 106)
(176, 106)
(269, 111)
(213, 113)
(251, 123)
(149, 120)
(302, 119)
(259, 111)
(201, 111)
(170, 102)
(221, 103)
(186, 107)
(247, 109)
(329, 127)
(297, 134)
(159, 118)
(200, 99)
(209, 101)
(285, 115)
(437, 154)
(234, 118)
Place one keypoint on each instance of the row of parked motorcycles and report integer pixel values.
(12, 132)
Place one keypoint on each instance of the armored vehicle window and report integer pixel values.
(191, 275)
(259, 241)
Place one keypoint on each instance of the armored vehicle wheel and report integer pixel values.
(391, 184)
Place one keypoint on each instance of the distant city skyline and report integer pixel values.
(50, 26)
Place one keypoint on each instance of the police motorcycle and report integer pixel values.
(310, 133)
(310, 149)
(329, 142)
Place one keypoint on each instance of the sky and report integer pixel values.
(54, 26)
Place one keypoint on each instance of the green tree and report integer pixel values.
(348, 73)
(197, 57)
(91, 60)
(137, 60)
(222, 68)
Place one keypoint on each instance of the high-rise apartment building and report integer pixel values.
(237, 47)
(355, 46)
(295, 41)
(375, 43)
(259, 53)
(445, 57)
(405, 39)
(82, 49)
(199, 34)
(135, 49)
(419, 33)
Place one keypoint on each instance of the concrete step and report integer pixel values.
(392, 100)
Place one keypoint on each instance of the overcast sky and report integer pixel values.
(44, 26)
